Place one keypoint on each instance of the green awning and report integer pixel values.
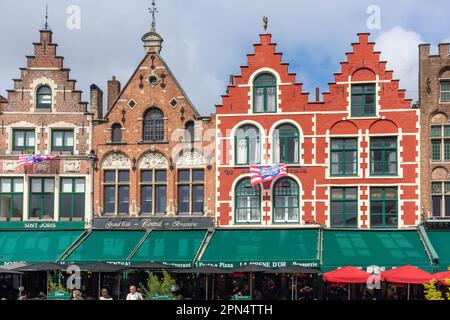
(441, 243)
(373, 250)
(35, 246)
(177, 248)
(271, 248)
(106, 246)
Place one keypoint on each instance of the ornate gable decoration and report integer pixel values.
(153, 160)
(116, 161)
(191, 159)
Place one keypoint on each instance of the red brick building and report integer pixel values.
(44, 114)
(353, 158)
(155, 154)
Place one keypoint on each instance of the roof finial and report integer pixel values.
(46, 17)
(153, 10)
(265, 21)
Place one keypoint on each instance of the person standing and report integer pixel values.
(105, 295)
(134, 295)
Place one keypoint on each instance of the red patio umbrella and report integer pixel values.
(406, 274)
(346, 275)
(442, 276)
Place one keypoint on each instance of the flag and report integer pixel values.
(30, 159)
(261, 174)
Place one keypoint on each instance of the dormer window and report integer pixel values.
(265, 93)
(44, 97)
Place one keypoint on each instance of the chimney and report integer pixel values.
(113, 91)
(317, 94)
(96, 102)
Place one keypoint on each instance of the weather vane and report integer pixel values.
(46, 17)
(266, 21)
(153, 10)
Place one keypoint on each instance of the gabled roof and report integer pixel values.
(191, 105)
(3, 99)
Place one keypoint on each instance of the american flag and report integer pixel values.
(30, 159)
(261, 174)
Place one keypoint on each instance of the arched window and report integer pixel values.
(116, 133)
(190, 131)
(286, 200)
(286, 144)
(247, 145)
(153, 125)
(265, 93)
(44, 97)
(247, 202)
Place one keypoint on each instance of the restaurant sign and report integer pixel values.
(267, 264)
(163, 223)
(42, 225)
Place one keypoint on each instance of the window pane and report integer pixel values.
(337, 193)
(49, 185)
(79, 202)
(18, 206)
(183, 199)
(79, 185)
(68, 139)
(436, 131)
(147, 176)
(147, 202)
(58, 139)
(48, 206)
(258, 99)
(241, 151)
(198, 192)
(183, 176)
(446, 149)
(35, 206)
(30, 139)
(66, 185)
(271, 99)
(447, 206)
(18, 185)
(436, 149)
(436, 187)
(5, 205)
(161, 202)
(124, 199)
(376, 220)
(5, 185)
(351, 193)
(110, 176)
(337, 144)
(437, 202)
(161, 176)
(66, 206)
(19, 138)
(124, 176)
(36, 185)
(110, 200)
(198, 175)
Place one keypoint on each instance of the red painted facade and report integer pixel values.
(317, 123)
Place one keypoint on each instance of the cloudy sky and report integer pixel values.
(207, 40)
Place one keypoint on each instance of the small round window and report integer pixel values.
(152, 80)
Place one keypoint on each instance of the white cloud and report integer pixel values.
(399, 47)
